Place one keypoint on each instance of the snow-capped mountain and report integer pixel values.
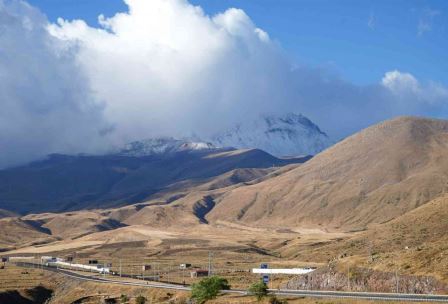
(285, 135)
(163, 145)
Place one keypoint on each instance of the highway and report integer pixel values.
(281, 292)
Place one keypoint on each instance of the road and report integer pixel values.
(280, 292)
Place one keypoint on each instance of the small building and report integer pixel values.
(184, 266)
(199, 273)
(146, 267)
(93, 262)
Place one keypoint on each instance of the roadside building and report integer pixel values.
(199, 273)
(184, 266)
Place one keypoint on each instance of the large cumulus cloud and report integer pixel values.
(45, 101)
(164, 67)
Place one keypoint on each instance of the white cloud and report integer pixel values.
(401, 83)
(166, 68)
(405, 85)
(45, 104)
(426, 21)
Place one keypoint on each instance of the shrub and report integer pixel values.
(259, 289)
(140, 300)
(124, 299)
(208, 288)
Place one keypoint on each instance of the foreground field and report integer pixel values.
(38, 286)
(232, 250)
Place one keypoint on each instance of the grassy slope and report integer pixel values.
(371, 177)
(415, 243)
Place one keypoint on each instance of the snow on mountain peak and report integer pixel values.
(163, 145)
(281, 135)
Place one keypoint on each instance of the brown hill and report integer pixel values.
(187, 203)
(6, 213)
(18, 232)
(65, 183)
(72, 224)
(184, 204)
(414, 243)
(373, 176)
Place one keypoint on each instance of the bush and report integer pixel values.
(124, 299)
(259, 289)
(208, 288)
(140, 300)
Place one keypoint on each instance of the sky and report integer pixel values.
(361, 40)
(86, 76)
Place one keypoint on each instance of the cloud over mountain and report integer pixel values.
(167, 68)
(45, 101)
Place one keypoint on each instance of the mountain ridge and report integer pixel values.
(289, 134)
(64, 182)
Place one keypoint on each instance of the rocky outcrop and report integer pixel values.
(362, 279)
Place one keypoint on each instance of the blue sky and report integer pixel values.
(360, 40)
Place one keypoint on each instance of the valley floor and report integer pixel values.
(231, 250)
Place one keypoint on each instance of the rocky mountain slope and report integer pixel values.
(280, 135)
(163, 145)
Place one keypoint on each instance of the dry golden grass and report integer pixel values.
(415, 243)
(371, 177)
(13, 278)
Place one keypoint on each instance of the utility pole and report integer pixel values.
(210, 256)
(120, 267)
(348, 277)
(183, 276)
(397, 281)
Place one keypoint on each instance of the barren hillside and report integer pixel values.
(414, 243)
(65, 183)
(371, 177)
